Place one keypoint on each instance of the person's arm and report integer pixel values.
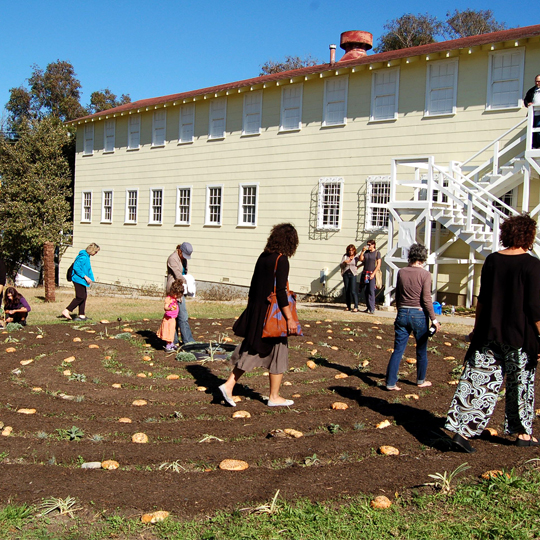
(378, 263)
(361, 256)
(282, 275)
(427, 300)
(175, 264)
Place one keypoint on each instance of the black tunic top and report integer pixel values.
(510, 298)
(251, 322)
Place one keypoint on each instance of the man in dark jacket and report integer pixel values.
(532, 97)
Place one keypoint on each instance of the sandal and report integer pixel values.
(463, 444)
(529, 442)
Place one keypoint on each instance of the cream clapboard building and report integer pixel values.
(321, 147)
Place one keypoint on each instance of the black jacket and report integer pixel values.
(529, 96)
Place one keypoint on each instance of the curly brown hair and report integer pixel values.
(350, 247)
(518, 232)
(177, 289)
(283, 239)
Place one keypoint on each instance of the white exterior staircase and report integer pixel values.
(460, 201)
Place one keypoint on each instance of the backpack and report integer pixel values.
(69, 273)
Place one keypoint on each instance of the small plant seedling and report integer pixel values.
(173, 466)
(334, 428)
(443, 481)
(207, 438)
(311, 460)
(270, 509)
(63, 506)
(72, 434)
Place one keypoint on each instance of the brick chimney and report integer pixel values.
(355, 43)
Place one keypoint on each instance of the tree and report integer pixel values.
(409, 31)
(102, 100)
(471, 22)
(36, 184)
(290, 62)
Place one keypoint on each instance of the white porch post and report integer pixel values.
(470, 279)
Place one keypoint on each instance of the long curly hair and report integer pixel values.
(518, 232)
(11, 304)
(177, 289)
(283, 239)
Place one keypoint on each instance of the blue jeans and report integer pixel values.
(183, 324)
(369, 292)
(351, 289)
(409, 320)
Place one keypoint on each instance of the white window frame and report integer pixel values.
(152, 206)
(134, 131)
(179, 190)
(330, 102)
(217, 114)
(109, 136)
(159, 128)
(88, 145)
(242, 205)
(517, 104)
(86, 206)
(104, 219)
(430, 90)
(208, 218)
(327, 220)
(186, 124)
(509, 198)
(127, 219)
(283, 126)
(378, 206)
(252, 113)
(374, 96)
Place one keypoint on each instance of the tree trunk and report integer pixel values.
(48, 271)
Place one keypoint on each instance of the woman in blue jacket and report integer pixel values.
(82, 276)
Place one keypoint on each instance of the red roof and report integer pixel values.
(462, 43)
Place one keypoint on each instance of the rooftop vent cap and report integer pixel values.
(355, 43)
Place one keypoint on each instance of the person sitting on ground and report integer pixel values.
(168, 324)
(16, 307)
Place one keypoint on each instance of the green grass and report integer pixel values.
(503, 508)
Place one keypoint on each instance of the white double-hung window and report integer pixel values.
(291, 107)
(132, 204)
(335, 101)
(134, 131)
(384, 94)
(156, 206)
(183, 205)
(214, 205)
(247, 205)
(218, 118)
(159, 125)
(88, 149)
(251, 124)
(186, 128)
(329, 203)
(86, 210)
(377, 199)
(106, 206)
(109, 135)
(441, 87)
(505, 79)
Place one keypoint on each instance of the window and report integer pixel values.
(218, 118)
(384, 94)
(88, 149)
(106, 206)
(252, 113)
(377, 199)
(214, 195)
(247, 205)
(86, 212)
(291, 108)
(108, 135)
(159, 124)
(187, 123)
(509, 199)
(441, 87)
(134, 131)
(335, 101)
(132, 197)
(505, 79)
(329, 203)
(156, 207)
(183, 205)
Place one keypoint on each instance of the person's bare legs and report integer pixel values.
(275, 385)
(232, 380)
(66, 314)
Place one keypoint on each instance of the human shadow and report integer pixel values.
(364, 376)
(423, 425)
(150, 338)
(204, 377)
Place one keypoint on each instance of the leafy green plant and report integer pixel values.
(79, 377)
(334, 428)
(72, 434)
(309, 461)
(184, 356)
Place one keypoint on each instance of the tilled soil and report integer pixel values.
(191, 431)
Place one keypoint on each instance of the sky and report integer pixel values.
(149, 49)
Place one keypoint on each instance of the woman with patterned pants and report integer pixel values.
(505, 341)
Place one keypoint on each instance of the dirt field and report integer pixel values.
(190, 431)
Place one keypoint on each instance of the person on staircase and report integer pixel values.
(532, 97)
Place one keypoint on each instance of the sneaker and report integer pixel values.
(170, 347)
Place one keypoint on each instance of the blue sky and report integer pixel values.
(148, 49)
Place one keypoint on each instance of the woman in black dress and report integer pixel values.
(505, 341)
(256, 351)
